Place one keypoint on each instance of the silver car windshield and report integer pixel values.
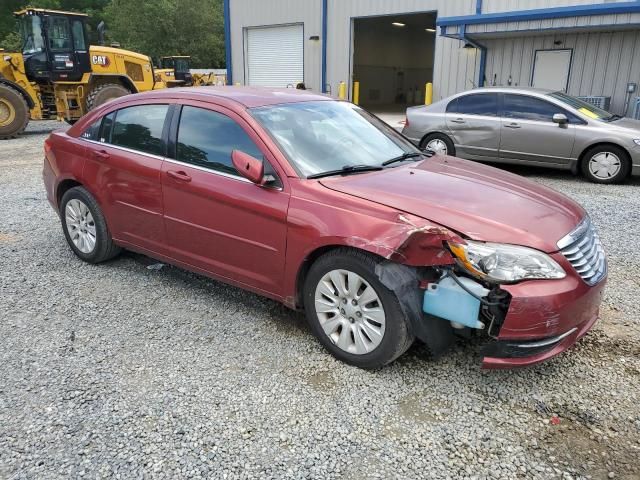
(583, 107)
(326, 136)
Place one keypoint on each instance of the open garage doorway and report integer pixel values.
(393, 60)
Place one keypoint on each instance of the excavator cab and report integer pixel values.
(55, 45)
(181, 67)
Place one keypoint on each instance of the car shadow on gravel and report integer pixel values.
(279, 317)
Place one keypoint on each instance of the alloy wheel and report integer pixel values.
(350, 312)
(80, 225)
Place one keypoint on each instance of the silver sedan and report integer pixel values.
(529, 126)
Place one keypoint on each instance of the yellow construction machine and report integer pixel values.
(58, 75)
(175, 71)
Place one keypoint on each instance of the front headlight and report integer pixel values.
(505, 263)
(636, 141)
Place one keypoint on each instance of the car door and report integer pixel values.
(529, 133)
(216, 219)
(474, 125)
(124, 159)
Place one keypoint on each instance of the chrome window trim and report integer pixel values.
(124, 149)
(208, 170)
(170, 160)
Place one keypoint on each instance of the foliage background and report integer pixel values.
(151, 27)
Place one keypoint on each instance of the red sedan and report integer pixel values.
(319, 205)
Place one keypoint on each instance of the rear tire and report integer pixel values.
(14, 113)
(439, 143)
(85, 227)
(104, 93)
(606, 164)
(369, 333)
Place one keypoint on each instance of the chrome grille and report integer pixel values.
(584, 251)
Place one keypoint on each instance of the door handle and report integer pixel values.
(512, 125)
(181, 176)
(458, 120)
(101, 154)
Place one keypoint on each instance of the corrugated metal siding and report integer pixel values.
(255, 13)
(492, 6)
(621, 20)
(602, 64)
(454, 67)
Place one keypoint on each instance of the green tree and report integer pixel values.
(169, 27)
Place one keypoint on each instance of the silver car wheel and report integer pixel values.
(437, 146)
(604, 165)
(80, 225)
(350, 312)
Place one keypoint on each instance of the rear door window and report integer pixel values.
(140, 128)
(207, 138)
(475, 104)
(523, 107)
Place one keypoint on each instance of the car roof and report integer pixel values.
(525, 90)
(249, 97)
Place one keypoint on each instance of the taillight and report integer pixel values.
(406, 121)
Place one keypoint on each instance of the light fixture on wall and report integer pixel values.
(430, 30)
(468, 45)
(397, 24)
(314, 38)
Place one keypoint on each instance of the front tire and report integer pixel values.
(439, 143)
(352, 313)
(606, 164)
(85, 227)
(104, 93)
(14, 113)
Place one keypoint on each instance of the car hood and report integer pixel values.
(627, 124)
(480, 202)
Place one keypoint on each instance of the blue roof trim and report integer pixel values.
(543, 13)
(227, 41)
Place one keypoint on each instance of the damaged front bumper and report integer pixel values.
(545, 318)
(528, 322)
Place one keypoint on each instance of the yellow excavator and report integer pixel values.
(58, 75)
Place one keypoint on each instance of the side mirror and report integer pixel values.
(560, 119)
(249, 167)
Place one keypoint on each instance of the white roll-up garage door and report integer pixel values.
(275, 56)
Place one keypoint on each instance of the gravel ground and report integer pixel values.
(123, 371)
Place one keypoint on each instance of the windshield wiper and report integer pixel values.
(346, 170)
(613, 117)
(403, 157)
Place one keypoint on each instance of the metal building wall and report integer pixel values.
(493, 6)
(602, 63)
(455, 68)
(256, 13)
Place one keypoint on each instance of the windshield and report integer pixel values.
(583, 107)
(324, 136)
(182, 65)
(31, 32)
